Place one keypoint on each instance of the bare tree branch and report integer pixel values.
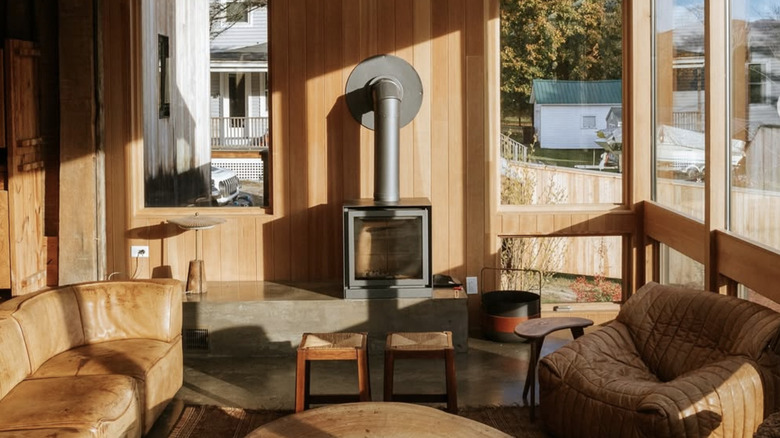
(223, 15)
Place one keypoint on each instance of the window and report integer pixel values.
(754, 122)
(588, 122)
(689, 79)
(236, 12)
(211, 144)
(679, 270)
(679, 105)
(751, 295)
(755, 83)
(561, 79)
(573, 269)
(163, 74)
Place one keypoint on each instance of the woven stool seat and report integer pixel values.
(423, 341)
(421, 345)
(333, 340)
(330, 346)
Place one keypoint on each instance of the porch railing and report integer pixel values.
(239, 133)
(512, 149)
(690, 120)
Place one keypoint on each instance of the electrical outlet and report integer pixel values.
(139, 251)
(471, 285)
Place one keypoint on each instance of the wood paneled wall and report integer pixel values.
(320, 155)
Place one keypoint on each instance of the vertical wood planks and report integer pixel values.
(281, 114)
(456, 175)
(440, 131)
(321, 156)
(298, 146)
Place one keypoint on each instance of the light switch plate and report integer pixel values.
(471, 285)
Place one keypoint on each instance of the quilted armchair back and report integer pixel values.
(677, 330)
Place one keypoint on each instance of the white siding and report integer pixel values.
(560, 126)
(245, 34)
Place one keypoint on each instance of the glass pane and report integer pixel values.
(388, 248)
(573, 269)
(234, 154)
(755, 123)
(679, 105)
(561, 102)
(751, 295)
(679, 270)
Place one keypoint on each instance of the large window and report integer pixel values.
(561, 102)
(755, 123)
(213, 147)
(680, 270)
(680, 105)
(572, 269)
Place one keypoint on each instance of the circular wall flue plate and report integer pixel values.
(358, 91)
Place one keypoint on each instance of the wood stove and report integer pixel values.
(387, 240)
(387, 249)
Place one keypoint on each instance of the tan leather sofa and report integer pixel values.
(675, 363)
(90, 360)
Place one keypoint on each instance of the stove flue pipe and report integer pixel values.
(387, 95)
(384, 93)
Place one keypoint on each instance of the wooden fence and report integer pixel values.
(755, 215)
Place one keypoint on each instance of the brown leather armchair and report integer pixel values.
(675, 363)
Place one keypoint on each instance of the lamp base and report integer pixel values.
(196, 277)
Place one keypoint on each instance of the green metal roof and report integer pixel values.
(551, 91)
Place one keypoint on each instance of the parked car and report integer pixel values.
(224, 185)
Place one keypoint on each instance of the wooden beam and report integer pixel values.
(685, 234)
(751, 264)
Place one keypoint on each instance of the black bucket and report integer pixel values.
(502, 310)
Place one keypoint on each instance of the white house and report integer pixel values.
(239, 77)
(568, 114)
(239, 100)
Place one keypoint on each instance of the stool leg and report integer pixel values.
(301, 381)
(307, 385)
(452, 384)
(364, 378)
(576, 332)
(388, 383)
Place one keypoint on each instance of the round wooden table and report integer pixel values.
(375, 419)
(535, 330)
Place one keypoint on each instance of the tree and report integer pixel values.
(556, 39)
(224, 14)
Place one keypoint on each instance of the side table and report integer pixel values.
(535, 330)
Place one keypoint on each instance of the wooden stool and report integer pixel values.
(535, 330)
(331, 346)
(424, 345)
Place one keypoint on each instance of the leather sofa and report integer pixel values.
(98, 359)
(675, 363)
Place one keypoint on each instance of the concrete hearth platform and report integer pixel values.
(267, 319)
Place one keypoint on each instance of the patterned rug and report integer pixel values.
(222, 422)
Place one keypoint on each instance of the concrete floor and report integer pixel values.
(489, 373)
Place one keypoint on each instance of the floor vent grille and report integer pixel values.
(195, 339)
